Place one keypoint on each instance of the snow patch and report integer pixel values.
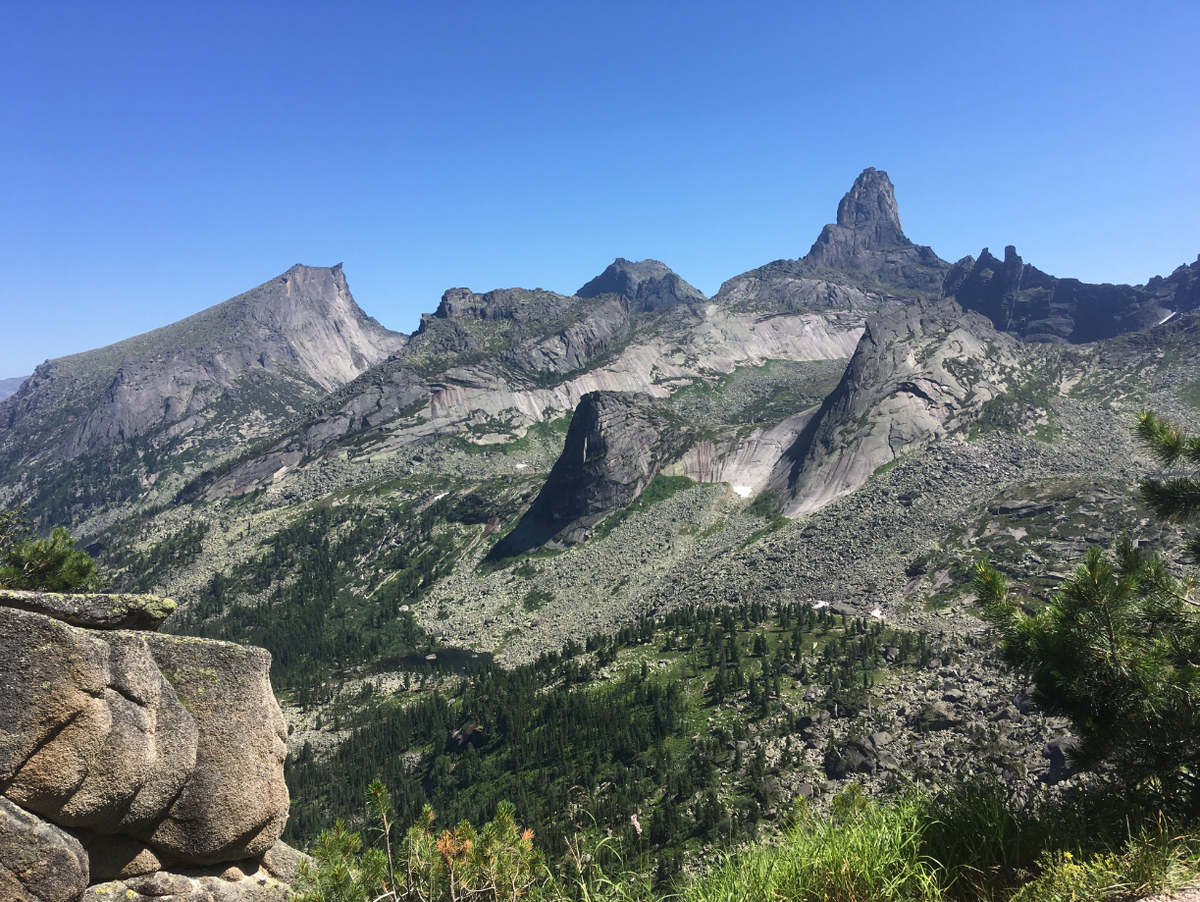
(742, 491)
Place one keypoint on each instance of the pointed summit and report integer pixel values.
(648, 285)
(868, 243)
(867, 220)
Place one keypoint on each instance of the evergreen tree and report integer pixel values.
(50, 565)
(1117, 649)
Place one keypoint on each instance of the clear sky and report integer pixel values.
(158, 158)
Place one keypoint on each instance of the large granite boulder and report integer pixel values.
(154, 751)
(94, 736)
(235, 803)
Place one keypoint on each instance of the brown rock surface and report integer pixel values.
(235, 802)
(38, 861)
(94, 737)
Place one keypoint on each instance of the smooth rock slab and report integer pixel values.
(98, 612)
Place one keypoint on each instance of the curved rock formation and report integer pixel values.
(129, 751)
(920, 373)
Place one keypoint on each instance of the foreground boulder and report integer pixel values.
(133, 753)
(38, 861)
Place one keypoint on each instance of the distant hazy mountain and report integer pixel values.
(9, 386)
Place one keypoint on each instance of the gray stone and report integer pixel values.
(93, 737)
(106, 612)
(235, 802)
(38, 861)
(648, 285)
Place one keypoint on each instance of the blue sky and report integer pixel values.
(158, 158)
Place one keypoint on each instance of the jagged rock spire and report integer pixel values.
(868, 219)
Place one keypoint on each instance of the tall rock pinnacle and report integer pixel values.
(867, 220)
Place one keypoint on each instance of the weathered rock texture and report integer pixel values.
(38, 861)
(919, 373)
(1022, 299)
(648, 285)
(616, 444)
(104, 612)
(154, 750)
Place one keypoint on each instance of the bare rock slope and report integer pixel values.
(920, 373)
(293, 338)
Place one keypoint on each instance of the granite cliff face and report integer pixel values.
(617, 442)
(129, 753)
(1025, 301)
(919, 374)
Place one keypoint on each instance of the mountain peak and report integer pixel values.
(649, 285)
(869, 210)
(868, 219)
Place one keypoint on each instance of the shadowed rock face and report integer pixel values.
(855, 262)
(648, 285)
(867, 240)
(1022, 299)
(920, 373)
(868, 219)
(616, 444)
(38, 861)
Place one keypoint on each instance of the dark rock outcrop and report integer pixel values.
(648, 285)
(920, 373)
(155, 751)
(617, 442)
(1035, 306)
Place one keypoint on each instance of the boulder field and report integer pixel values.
(134, 764)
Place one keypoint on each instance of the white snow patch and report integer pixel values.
(877, 613)
(820, 604)
(441, 496)
(522, 466)
(742, 491)
(1167, 317)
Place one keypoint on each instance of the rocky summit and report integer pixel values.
(648, 285)
(1022, 299)
(567, 499)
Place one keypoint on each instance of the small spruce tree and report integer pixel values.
(1117, 649)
